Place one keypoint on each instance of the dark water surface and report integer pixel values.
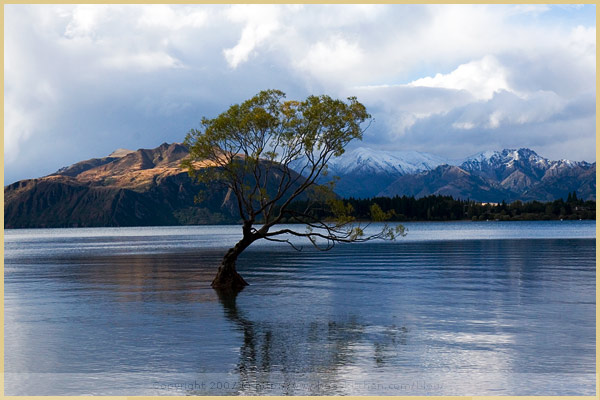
(452, 309)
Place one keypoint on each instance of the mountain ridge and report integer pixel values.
(148, 187)
(137, 188)
(144, 187)
(514, 174)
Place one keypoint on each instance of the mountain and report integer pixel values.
(127, 188)
(147, 186)
(380, 161)
(509, 175)
(364, 172)
(564, 177)
(499, 165)
(447, 180)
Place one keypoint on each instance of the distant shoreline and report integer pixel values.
(287, 223)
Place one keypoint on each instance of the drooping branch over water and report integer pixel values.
(249, 149)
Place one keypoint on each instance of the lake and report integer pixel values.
(458, 308)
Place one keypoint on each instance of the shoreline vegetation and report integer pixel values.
(446, 208)
(434, 208)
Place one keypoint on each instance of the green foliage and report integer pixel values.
(446, 208)
(377, 214)
(342, 212)
(266, 127)
(253, 144)
(244, 144)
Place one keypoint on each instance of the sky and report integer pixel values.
(83, 80)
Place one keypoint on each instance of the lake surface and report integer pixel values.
(464, 308)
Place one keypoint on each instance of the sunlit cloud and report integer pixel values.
(261, 21)
(481, 78)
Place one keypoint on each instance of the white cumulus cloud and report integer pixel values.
(333, 56)
(260, 22)
(482, 78)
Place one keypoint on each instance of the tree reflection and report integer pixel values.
(306, 357)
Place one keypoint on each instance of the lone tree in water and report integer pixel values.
(251, 148)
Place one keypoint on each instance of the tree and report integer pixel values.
(250, 150)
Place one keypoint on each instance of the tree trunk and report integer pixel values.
(227, 277)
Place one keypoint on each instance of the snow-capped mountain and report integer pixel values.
(512, 159)
(508, 174)
(384, 162)
(522, 169)
(500, 164)
(364, 172)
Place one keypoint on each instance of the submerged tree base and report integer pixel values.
(228, 279)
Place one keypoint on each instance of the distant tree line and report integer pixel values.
(446, 208)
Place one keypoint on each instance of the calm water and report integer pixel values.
(496, 308)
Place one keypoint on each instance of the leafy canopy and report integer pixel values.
(252, 147)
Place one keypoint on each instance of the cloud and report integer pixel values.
(17, 128)
(85, 19)
(163, 16)
(141, 61)
(507, 121)
(82, 80)
(260, 22)
(332, 57)
(396, 108)
(481, 78)
(470, 87)
(534, 9)
(506, 109)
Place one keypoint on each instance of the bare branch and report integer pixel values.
(271, 239)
